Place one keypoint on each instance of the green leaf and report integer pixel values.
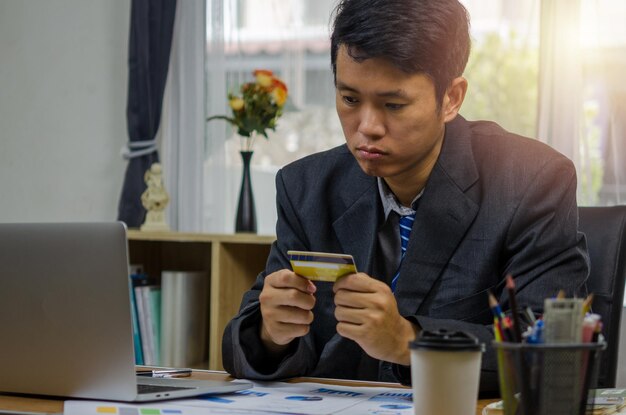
(222, 117)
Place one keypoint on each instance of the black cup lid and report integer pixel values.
(445, 340)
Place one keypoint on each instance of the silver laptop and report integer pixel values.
(65, 318)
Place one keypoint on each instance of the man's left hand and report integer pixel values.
(367, 312)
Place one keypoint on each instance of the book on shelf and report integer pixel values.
(137, 277)
(149, 307)
(184, 318)
(154, 317)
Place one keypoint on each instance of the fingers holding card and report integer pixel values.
(321, 266)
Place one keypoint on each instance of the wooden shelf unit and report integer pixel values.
(231, 261)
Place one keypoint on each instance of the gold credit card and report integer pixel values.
(321, 266)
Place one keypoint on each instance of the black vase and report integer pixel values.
(246, 215)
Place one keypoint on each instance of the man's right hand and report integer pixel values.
(286, 303)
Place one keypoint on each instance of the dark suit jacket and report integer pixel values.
(494, 204)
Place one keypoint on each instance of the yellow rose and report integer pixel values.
(263, 77)
(236, 104)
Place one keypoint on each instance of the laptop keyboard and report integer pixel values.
(141, 388)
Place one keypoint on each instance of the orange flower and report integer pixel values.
(266, 72)
(277, 83)
(279, 95)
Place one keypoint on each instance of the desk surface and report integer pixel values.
(49, 405)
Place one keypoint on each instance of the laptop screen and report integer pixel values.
(65, 310)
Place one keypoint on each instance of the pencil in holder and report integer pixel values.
(547, 379)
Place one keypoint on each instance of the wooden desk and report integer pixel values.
(51, 405)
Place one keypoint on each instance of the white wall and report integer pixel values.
(63, 79)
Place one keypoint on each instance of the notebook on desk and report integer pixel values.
(65, 317)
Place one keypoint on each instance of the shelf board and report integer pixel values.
(245, 238)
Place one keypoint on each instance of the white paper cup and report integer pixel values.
(445, 373)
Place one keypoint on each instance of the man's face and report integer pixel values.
(389, 118)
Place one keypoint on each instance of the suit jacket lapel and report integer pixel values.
(356, 228)
(444, 214)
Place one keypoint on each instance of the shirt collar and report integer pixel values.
(390, 202)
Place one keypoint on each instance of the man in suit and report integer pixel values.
(484, 203)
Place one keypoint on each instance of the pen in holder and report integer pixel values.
(547, 379)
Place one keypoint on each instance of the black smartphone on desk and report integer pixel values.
(164, 373)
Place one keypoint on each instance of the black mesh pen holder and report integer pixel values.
(547, 379)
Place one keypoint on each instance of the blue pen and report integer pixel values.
(536, 336)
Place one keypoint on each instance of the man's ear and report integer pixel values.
(453, 98)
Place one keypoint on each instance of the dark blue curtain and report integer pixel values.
(151, 27)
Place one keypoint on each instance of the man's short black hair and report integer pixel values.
(427, 36)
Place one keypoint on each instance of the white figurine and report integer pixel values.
(154, 199)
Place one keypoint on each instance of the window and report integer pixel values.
(602, 168)
(502, 70)
(291, 38)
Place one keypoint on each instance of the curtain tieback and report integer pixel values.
(135, 149)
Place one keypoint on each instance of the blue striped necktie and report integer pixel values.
(406, 224)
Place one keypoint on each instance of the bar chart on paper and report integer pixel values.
(113, 408)
(305, 398)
